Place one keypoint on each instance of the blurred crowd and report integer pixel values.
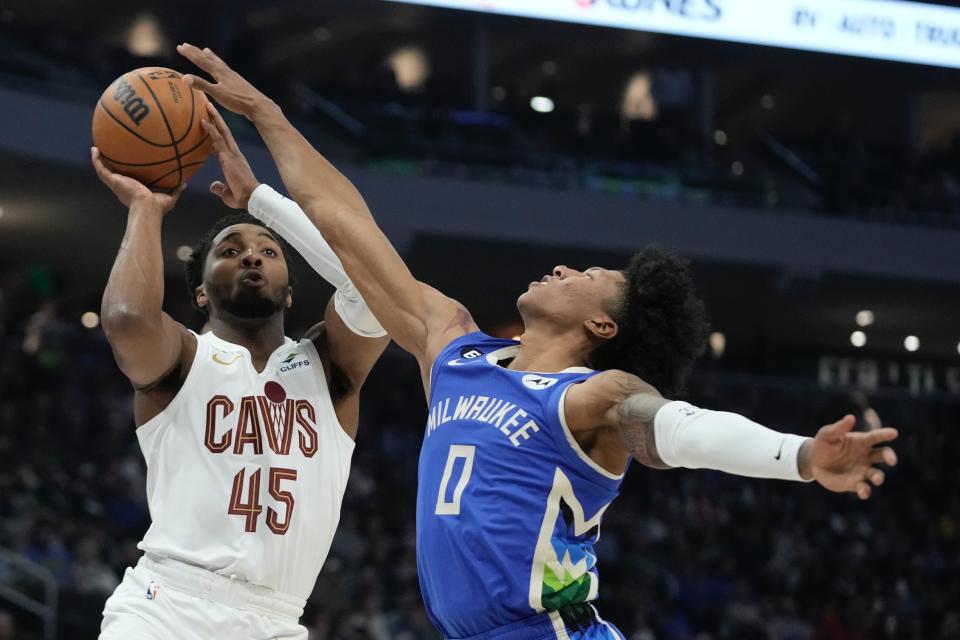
(683, 555)
(839, 165)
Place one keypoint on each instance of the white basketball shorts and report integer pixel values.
(163, 599)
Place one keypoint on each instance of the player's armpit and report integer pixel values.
(623, 403)
(446, 321)
(353, 354)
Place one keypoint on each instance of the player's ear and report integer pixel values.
(289, 297)
(603, 327)
(201, 297)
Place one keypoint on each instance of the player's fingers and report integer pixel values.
(195, 55)
(175, 196)
(838, 429)
(863, 490)
(219, 144)
(885, 434)
(884, 455)
(217, 187)
(222, 128)
(103, 173)
(872, 418)
(214, 58)
(196, 82)
(875, 476)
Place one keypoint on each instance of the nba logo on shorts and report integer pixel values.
(152, 590)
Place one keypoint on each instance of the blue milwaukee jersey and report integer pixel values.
(508, 505)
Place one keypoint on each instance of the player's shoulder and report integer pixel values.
(596, 395)
(614, 383)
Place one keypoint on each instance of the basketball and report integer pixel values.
(147, 126)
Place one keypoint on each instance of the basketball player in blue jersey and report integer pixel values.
(527, 440)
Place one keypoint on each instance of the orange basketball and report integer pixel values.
(147, 126)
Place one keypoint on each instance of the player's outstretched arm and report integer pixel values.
(418, 318)
(662, 434)
(147, 343)
(351, 335)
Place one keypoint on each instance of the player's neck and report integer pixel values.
(547, 352)
(260, 338)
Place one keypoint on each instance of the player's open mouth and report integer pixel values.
(253, 278)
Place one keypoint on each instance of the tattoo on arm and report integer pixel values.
(462, 319)
(635, 415)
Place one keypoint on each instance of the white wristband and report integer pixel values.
(695, 438)
(288, 219)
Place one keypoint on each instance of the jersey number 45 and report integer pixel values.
(251, 508)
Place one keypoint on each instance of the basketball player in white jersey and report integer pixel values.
(247, 434)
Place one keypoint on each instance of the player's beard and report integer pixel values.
(252, 304)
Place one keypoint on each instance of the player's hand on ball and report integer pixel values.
(229, 88)
(842, 460)
(239, 181)
(129, 190)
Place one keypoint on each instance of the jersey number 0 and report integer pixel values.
(457, 452)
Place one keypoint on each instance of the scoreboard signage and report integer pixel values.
(881, 29)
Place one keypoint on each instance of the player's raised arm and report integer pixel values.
(351, 335)
(662, 434)
(147, 343)
(418, 318)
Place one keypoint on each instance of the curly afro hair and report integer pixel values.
(193, 269)
(662, 323)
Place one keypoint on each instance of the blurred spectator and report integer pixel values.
(91, 575)
(8, 628)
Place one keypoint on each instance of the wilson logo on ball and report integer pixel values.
(147, 125)
(133, 105)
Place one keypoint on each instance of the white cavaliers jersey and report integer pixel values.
(246, 471)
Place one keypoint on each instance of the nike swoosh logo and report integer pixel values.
(457, 363)
(216, 358)
(780, 450)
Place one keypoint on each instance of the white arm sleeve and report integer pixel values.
(292, 223)
(687, 436)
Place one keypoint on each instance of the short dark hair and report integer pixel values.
(193, 269)
(662, 323)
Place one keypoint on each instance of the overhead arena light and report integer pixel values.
(410, 67)
(911, 343)
(718, 344)
(864, 318)
(858, 339)
(145, 37)
(541, 104)
(90, 320)
(638, 101)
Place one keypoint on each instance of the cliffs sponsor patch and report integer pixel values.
(292, 363)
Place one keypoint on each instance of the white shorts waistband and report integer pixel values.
(203, 583)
